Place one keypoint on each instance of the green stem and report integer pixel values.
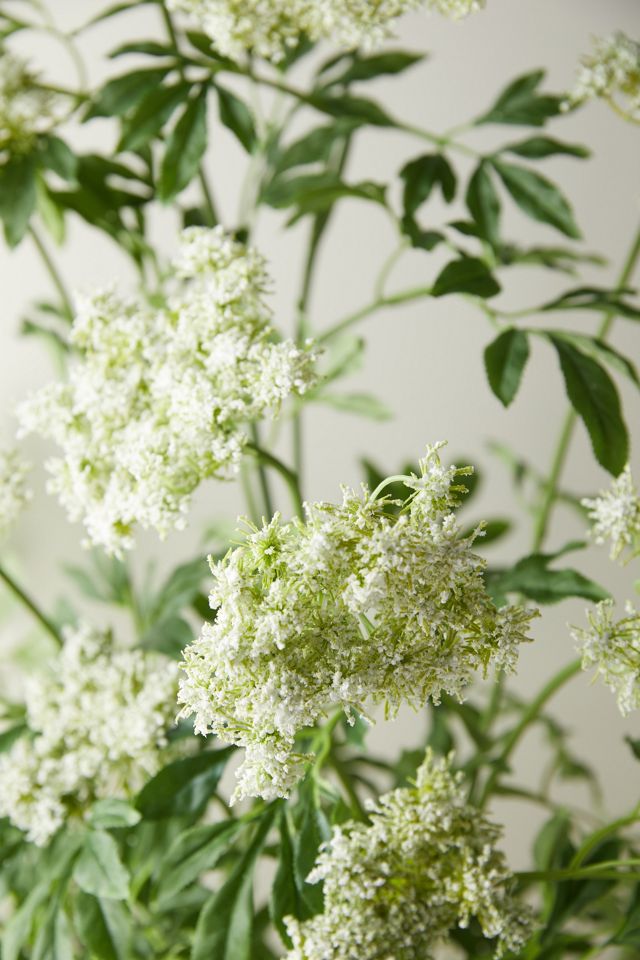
(599, 835)
(263, 480)
(31, 606)
(566, 433)
(254, 513)
(392, 300)
(604, 871)
(344, 778)
(288, 475)
(53, 272)
(206, 189)
(529, 716)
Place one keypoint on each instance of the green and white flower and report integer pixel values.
(351, 608)
(613, 648)
(98, 727)
(26, 110)
(158, 398)
(425, 865)
(611, 72)
(616, 516)
(14, 493)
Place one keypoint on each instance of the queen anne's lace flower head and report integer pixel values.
(14, 493)
(613, 648)
(611, 72)
(158, 398)
(351, 607)
(26, 110)
(616, 516)
(98, 728)
(425, 865)
(269, 27)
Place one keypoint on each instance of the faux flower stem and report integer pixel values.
(26, 601)
(288, 475)
(53, 272)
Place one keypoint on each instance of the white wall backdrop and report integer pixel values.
(424, 360)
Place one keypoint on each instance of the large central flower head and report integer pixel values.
(99, 725)
(158, 398)
(268, 28)
(350, 608)
(426, 865)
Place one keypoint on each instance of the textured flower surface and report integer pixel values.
(158, 398)
(613, 648)
(352, 607)
(611, 72)
(98, 726)
(26, 111)
(14, 493)
(425, 865)
(616, 516)
(268, 28)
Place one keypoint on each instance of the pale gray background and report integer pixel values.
(424, 360)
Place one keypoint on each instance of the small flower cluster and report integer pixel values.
(425, 865)
(612, 72)
(351, 607)
(26, 110)
(269, 27)
(613, 648)
(14, 494)
(158, 398)
(98, 729)
(616, 516)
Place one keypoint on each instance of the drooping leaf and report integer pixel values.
(598, 350)
(389, 62)
(17, 929)
(192, 853)
(532, 577)
(185, 148)
(595, 399)
(538, 197)
(54, 154)
(112, 813)
(287, 897)
(421, 175)
(483, 203)
(594, 298)
(53, 940)
(322, 199)
(237, 117)
(99, 869)
(466, 275)
(316, 146)
(122, 94)
(355, 108)
(179, 589)
(151, 114)
(521, 104)
(505, 359)
(184, 787)
(18, 195)
(537, 148)
(103, 927)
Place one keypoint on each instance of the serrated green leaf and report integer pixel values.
(483, 203)
(537, 148)
(184, 787)
(421, 175)
(185, 148)
(594, 397)
(538, 197)
(122, 94)
(466, 275)
(505, 359)
(597, 349)
(151, 114)
(99, 870)
(236, 116)
(521, 104)
(103, 927)
(18, 196)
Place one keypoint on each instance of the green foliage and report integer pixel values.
(505, 359)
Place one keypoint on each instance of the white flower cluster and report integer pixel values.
(26, 110)
(612, 72)
(269, 27)
(14, 494)
(613, 648)
(98, 726)
(351, 607)
(157, 398)
(426, 865)
(616, 516)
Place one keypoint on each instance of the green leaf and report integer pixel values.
(284, 192)
(237, 117)
(169, 636)
(520, 104)
(147, 47)
(225, 925)
(532, 577)
(360, 404)
(421, 175)
(505, 359)
(594, 298)
(103, 927)
(122, 94)
(466, 275)
(634, 746)
(51, 213)
(113, 813)
(538, 197)
(18, 928)
(99, 870)
(53, 941)
(594, 397)
(537, 148)
(184, 787)
(54, 154)
(483, 203)
(314, 147)
(8, 737)
(421, 239)
(185, 148)
(554, 258)
(355, 108)
(552, 847)
(313, 831)
(597, 349)
(391, 62)
(179, 589)
(18, 196)
(287, 898)
(151, 115)
(192, 853)
(323, 198)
